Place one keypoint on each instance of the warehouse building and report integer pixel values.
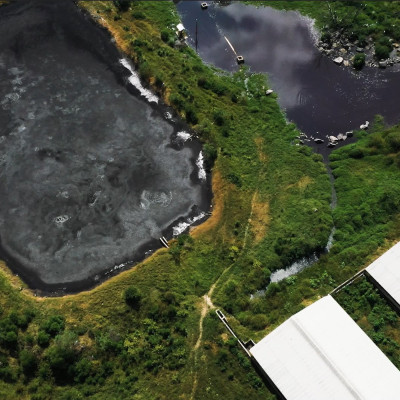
(321, 353)
(385, 275)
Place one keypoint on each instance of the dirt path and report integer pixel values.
(208, 305)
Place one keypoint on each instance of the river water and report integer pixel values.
(316, 94)
(93, 168)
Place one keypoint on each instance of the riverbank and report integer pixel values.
(350, 30)
(97, 345)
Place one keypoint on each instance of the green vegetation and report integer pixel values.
(374, 316)
(138, 335)
(133, 297)
(354, 20)
(359, 61)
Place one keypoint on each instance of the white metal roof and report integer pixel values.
(386, 271)
(321, 354)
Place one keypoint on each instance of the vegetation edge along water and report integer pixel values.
(138, 335)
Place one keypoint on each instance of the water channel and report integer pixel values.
(93, 168)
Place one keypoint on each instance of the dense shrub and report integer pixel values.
(382, 52)
(133, 297)
(122, 5)
(43, 339)
(62, 355)
(145, 71)
(210, 155)
(219, 117)
(8, 334)
(393, 140)
(28, 362)
(191, 116)
(359, 61)
(165, 36)
(138, 15)
(54, 325)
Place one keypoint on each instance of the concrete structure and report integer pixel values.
(385, 274)
(321, 353)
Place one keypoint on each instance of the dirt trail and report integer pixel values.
(208, 305)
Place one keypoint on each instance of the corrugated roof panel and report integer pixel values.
(321, 353)
(386, 271)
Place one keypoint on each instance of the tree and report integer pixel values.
(28, 362)
(62, 355)
(133, 297)
(43, 339)
(54, 325)
(122, 5)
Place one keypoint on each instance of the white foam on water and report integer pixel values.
(293, 269)
(135, 81)
(200, 166)
(61, 219)
(330, 241)
(183, 135)
(159, 199)
(182, 226)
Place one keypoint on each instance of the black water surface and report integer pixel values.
(89, 176)
(319, 96)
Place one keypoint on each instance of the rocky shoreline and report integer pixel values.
(342, 51)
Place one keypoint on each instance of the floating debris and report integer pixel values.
(240, 59)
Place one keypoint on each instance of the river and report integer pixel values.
(94, 168)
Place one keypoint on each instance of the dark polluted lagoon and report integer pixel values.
(320, 97)
(93, 169)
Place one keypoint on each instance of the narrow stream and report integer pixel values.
(321, 98)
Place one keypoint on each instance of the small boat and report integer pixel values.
(240, 59)
(204, 6)
(318, 140)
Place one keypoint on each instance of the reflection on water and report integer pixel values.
(319, 96)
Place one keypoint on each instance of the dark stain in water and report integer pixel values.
(91, 173)
(319, 96)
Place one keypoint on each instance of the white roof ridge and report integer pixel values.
(395, 249)
(314, 344)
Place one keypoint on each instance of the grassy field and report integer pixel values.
(150, 332)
